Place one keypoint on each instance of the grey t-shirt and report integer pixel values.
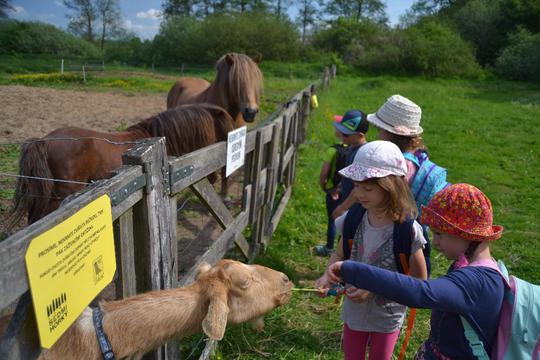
(374, 245)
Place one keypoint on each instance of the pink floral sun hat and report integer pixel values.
(376, 159)
(462, 210)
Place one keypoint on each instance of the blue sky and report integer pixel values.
(141, 17)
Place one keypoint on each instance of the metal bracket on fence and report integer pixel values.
(180, 174)
(166, 179)
(128, 189)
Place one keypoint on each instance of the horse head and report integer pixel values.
(244, 83)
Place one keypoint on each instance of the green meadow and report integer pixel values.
(486, 133)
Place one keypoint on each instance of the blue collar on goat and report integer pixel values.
(103, 341)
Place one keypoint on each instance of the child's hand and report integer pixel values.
(334, 272)
(335, 195)
(323, 284)
(357, 295)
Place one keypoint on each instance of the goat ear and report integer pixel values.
(215, 321)
(204, 267)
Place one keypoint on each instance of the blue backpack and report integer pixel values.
(518, 332)
(429, 179)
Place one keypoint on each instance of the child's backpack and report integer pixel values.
(518, 332)
(402, 237)
(340, 161)
(429, 179)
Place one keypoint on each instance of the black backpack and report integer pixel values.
(402, 239)
(341, 162)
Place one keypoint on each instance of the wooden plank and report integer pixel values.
(213, 202)
(288, 156)
(126, 284)
(204, 162)
(154, 235)
(208, 350)
(256, 169)
(279, 211)
(218, 249)
(271, 183)
(21, 340)
(13, 279)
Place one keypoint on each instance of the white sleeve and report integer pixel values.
(339, 222)
(418, 240)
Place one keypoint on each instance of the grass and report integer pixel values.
(485, 133)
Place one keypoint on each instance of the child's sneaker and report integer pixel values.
(322, 250)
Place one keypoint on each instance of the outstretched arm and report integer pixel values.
(454, 292)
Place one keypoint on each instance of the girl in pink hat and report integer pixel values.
(378, 173)
(461, 219)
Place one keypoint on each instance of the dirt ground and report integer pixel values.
(34, 112)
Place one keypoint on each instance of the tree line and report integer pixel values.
(451, 38)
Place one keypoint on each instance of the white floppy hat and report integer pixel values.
(399, 116)
(376, 159)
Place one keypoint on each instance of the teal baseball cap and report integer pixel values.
(352, 122)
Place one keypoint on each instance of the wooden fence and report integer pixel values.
(144, 203)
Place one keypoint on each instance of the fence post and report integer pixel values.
(83, 74)
(154, 231)
(326, 77)
(333, 72)
(182, 69)
(62, 66)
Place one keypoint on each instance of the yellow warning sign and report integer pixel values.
(68, 266)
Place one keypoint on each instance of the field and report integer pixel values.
(486, 133)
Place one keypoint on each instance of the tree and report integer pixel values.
(280, 7)
(81, 21)
(178, 7)
(307, 11)
(4, 6)
(358, 9)
(109, 12)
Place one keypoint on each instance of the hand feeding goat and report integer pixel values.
(229, 292)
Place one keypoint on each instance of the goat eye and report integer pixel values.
(285, 279)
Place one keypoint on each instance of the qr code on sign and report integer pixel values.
(98, 269)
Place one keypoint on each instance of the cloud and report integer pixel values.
(144, 31)
(59, 3)
(151, 14)
(19, 10)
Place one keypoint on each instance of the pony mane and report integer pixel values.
(243, 74)
(190, 127)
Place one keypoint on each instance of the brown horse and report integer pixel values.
(237, 87)
(81, 155)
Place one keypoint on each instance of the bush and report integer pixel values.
(188, 40)
(19, 37)
(481, 22)
(520, 60)
(348, 37)
(434, 49)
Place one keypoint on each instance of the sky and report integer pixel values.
(140, 16)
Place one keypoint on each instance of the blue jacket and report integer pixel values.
(476, 293)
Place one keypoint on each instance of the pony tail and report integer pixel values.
(33, 162)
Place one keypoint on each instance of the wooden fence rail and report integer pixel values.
(144, 207)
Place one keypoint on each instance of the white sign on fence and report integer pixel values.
(236, 149)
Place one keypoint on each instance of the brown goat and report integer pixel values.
(230, 292)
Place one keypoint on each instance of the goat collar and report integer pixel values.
(103, 341)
